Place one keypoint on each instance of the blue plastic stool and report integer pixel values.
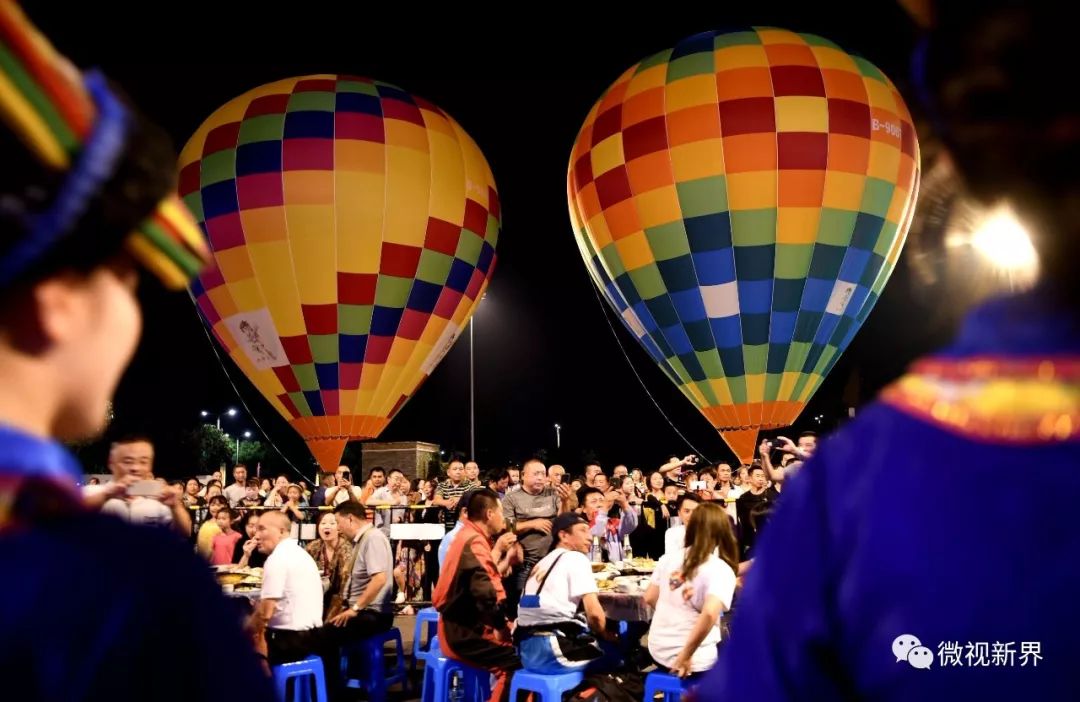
(427, 620)
(549, 687)
(369, 660)
(303, 673)
(439, 670)
(666, 683)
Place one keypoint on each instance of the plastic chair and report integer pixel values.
(663, 683)
(550, 688)
(439, 671)
(303, 673)
(427, 620)
(369, 660)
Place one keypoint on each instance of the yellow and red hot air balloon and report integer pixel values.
(741, 201)
(353, 229)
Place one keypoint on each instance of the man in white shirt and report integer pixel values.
(132, 495)
(290, 609)
(552, 635)
(344, 490)
(676, 535)
(726, 490)
(236, 492)
(394, 494)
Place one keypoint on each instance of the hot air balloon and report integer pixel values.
(741, 201)
(353, 229)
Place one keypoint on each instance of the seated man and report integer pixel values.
(290, 609)
(473, 627)
(610, 531)
(552, 635)
(368, 610)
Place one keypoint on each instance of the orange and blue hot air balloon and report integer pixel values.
(353, 229)
(741, 200)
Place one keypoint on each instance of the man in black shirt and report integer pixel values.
(754, 500)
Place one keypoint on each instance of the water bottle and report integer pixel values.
(457, 690)
(627, 549)
(596, 556)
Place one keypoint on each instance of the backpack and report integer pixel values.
(609, 687)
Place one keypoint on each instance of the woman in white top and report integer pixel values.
(689, 591)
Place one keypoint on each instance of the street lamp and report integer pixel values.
(231, 412)
(472, 394)
(472, 386)
(247, 435)
(558, 436)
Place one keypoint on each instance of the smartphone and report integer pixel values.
(146, 488)
(697, 485)
(346, 475)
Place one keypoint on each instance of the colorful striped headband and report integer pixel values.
(75, 126)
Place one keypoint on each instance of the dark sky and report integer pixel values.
(521, 86)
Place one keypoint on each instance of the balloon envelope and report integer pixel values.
(741, 201)
(353, 228)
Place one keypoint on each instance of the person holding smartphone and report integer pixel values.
(344, 490)
(134, 495)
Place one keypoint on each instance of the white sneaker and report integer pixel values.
(400, 599)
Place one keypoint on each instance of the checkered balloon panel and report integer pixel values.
(353, 228)
(741, 201)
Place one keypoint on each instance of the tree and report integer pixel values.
(251, 452)
(211, 448)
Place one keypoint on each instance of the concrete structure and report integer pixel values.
(416, 459)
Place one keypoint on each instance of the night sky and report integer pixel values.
(521, 87)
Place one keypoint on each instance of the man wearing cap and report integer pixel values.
(552, 636)
(93, 608)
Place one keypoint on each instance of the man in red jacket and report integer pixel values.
(473, 627)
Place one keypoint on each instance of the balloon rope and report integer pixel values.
(618, 341)
(250, 414)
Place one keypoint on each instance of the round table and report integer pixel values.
(625, 607)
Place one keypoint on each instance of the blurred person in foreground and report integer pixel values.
(93, 608)
(858, 581)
